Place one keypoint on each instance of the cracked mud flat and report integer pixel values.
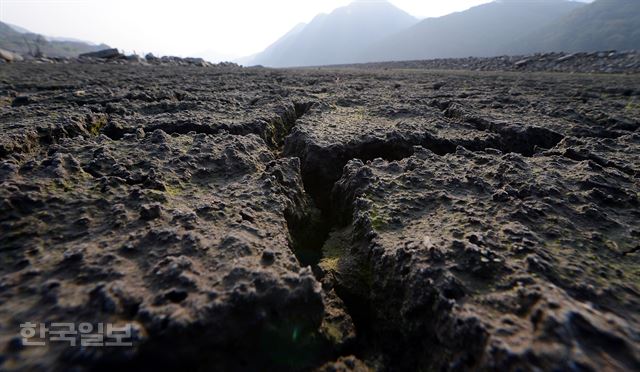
(327, 220)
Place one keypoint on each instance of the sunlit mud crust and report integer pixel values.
(332, 220)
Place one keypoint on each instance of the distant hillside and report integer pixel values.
(278, 50)
(601, 25)
(482, 31)
(19, 40)
(336, 37)
(19, 29)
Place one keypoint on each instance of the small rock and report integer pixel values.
(438, 85)
(268, 257)
(150, 212)
(500, 195)
(103, 54)
(71, 255)
(21, 101)
(10, 56)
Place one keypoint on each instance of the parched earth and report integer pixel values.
(321, 219)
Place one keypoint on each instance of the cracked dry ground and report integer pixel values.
(321, 219)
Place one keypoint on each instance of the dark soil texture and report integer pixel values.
(334, 219)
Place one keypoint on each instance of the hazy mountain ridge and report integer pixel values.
(481, 31)
(24, 42)
(502, 27)
(336, 37)
(601, 25)
(276, 50)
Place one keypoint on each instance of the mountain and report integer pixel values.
(481, 31)
(20, 40)
(336, 37)
(19, 29)
(277, 50)
(601, 25)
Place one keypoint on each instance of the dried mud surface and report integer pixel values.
(331, 220)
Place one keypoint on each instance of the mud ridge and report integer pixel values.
(574, 155)
(525, 140)
(272, 130)
(42, 136)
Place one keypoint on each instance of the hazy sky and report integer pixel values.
(230, 28)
